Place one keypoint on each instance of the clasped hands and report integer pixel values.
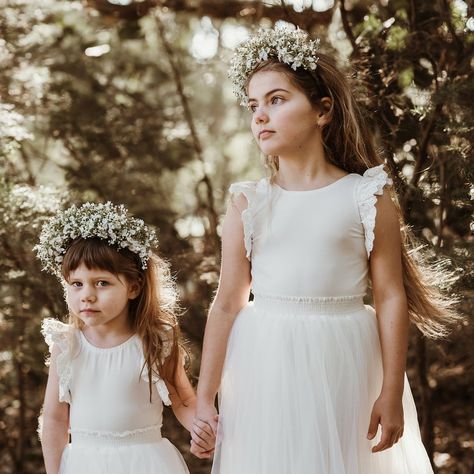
(203, 435)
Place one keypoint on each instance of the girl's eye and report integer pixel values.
(252, 108)
(277, 99)
(76, 284)
(102, 283)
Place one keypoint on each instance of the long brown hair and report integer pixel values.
(349, 146)
(152, 314)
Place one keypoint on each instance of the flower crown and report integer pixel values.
(292, 47)
(104, 221)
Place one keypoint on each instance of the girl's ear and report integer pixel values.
(134, 290)
(324, 112)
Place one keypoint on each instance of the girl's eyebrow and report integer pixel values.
(269, 93)
(98, 277)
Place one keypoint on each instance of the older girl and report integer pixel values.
(312, 381)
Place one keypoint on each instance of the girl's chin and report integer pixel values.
(269, 150)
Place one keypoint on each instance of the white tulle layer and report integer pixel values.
(299, 382)
(108, 457)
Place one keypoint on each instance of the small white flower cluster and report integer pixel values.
(292, 47)
(105, 221)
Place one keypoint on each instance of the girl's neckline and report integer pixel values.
(105, 349)
(322, 188)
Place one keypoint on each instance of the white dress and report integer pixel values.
(114, 428)
(303, 366)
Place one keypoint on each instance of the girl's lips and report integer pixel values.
(265, 134)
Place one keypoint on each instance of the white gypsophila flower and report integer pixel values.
(105, 221)
(292, 47)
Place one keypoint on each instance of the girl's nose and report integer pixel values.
(260, 115)
(88, 296)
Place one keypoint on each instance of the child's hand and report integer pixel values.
(207, 413)
(388, 411)
(203, 438)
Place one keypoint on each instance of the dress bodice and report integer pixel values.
(106, 388)
(313, 243)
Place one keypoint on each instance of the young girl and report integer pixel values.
(312, 381)
(118, 360)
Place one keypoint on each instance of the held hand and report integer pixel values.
(199, 453)
(388, 411)
(204, 432)
(207, 413)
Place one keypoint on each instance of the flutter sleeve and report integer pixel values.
(250, 189)
(166, 339)
(57, 333)
(370, 186)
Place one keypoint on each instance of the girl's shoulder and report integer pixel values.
(249, 188)
(66, 338)
(57, 332)
(373, 179)
(256, 194)
(370, 185)
(166, 336)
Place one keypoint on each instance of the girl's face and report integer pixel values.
(98, 297)
(284, 121)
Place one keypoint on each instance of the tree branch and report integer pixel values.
(424, 143)
(211, 211)
(347, 27)
(449, 23)
(250, 11)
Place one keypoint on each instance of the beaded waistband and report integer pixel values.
(309, 304)
(149, 434)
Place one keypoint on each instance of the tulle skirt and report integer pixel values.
(298, 386)
(149, 454)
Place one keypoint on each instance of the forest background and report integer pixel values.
(129, 101)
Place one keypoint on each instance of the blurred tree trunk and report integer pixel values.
(208, 204)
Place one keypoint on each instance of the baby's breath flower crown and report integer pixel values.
(292, 47)
(104, 221)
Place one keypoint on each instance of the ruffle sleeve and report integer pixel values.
(370, 186)
(156, 380)
(57, 333)
(251, 190)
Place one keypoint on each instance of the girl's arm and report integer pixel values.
(183, 404)
(54, 433)
(392, 316)
(232, 295)
(183, 398)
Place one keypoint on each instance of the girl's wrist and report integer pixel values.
(204, 402)
(205, 396)
(392, 389)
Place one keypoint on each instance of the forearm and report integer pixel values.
(218, 327)
(184, 411)
(393, 324)
(54, 437)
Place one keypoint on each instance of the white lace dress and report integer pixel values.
(303, 365)
(114, 428)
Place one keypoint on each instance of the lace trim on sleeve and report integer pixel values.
(156, 380)
(167, 341)
(56, 332)
(248, 189)
(256, 193)
(372, 184)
